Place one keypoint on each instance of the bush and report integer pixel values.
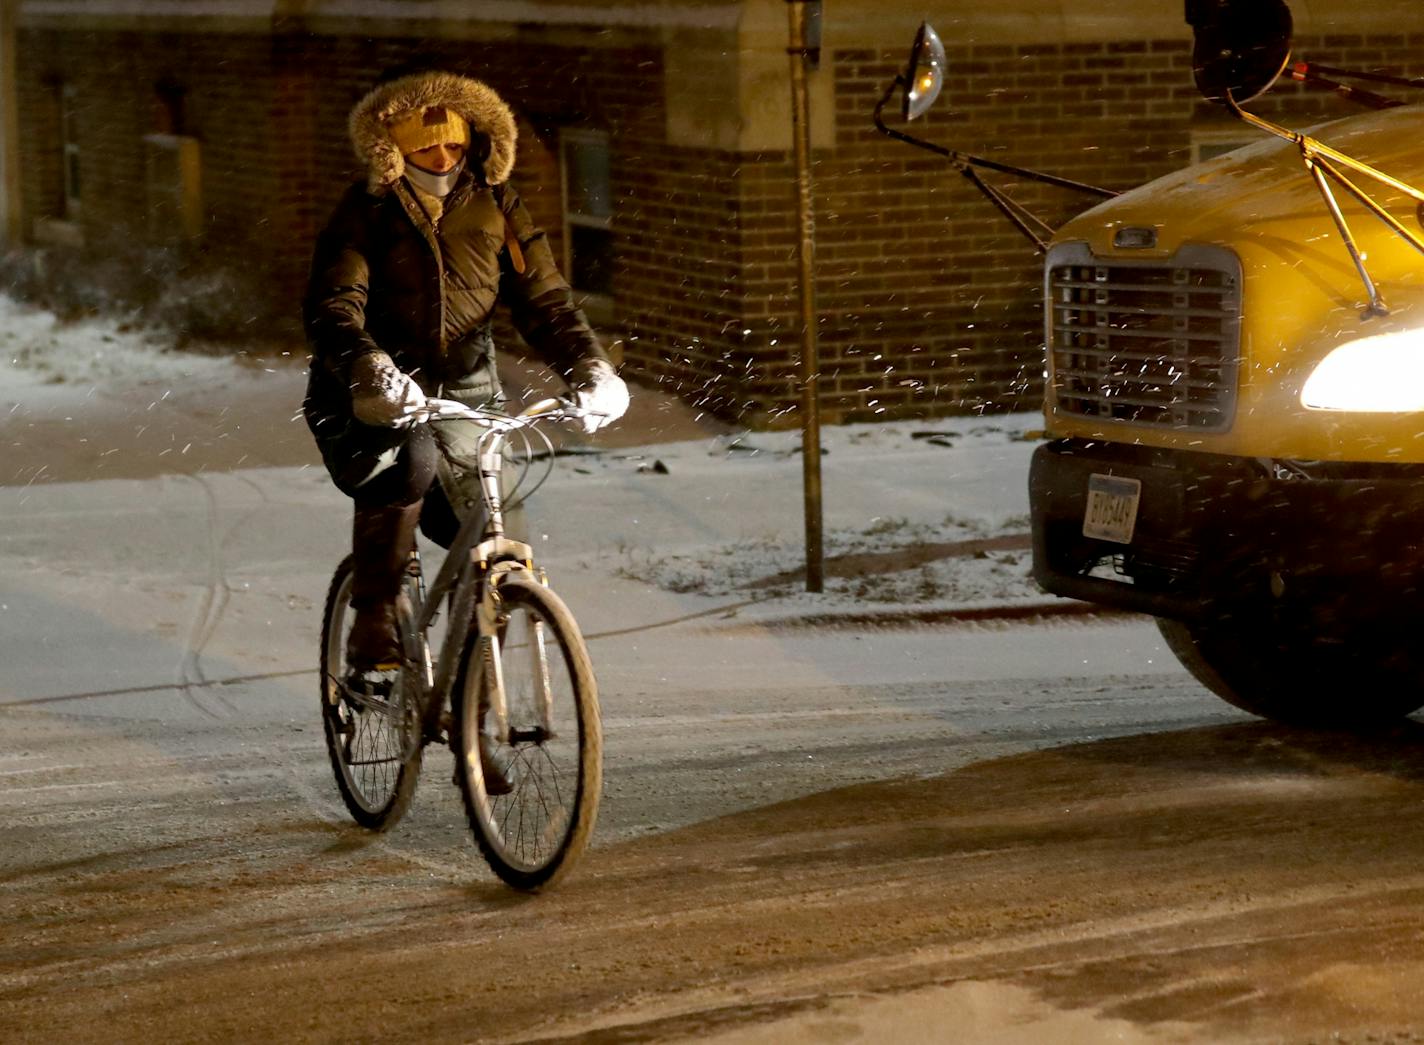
(155, 287)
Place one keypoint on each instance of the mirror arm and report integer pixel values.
(1408, 235)
(1306, 74)
(1316, 148)
(1014, 211)
(1033, 228)
(1318, 166)
(890, 132)
(1045, 179)
(1312, 68)
(961, 160)
(1320, 161)
(1376, 307)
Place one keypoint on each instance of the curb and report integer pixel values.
(953, 615)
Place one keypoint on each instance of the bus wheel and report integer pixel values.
(1298, 679)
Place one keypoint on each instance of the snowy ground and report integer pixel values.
(850, 816)
(915, 514)
(889, 539)
(38, 349)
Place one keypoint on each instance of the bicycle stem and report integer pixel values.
(473, 551)
(491, 470)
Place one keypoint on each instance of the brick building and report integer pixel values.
(208, 137)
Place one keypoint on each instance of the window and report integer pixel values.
(69, 138)
(170, 107)
(172, 170)
(1209, 143)
(588, 211)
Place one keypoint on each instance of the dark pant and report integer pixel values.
(381, 467)
(377, 466)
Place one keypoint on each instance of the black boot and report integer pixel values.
(381, 542)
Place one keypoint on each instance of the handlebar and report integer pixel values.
(489, 459)
(553, 409)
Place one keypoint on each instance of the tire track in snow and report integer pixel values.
(193, 682)
(330, 811)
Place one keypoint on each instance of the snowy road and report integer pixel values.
(1006, 831)
(894, 845)
(174, 857)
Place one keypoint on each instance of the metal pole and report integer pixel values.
(805, 51)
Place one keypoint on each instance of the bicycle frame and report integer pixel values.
(477, 559)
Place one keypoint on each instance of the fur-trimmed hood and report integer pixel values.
(486, 111)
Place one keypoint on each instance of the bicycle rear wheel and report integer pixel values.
(532, 797)
(372, 737)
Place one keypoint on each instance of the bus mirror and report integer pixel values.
(924, 76)
(1240, 46)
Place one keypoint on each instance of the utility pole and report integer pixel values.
(805, 52)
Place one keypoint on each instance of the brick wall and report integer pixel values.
(680, 274)
(239, 101)
(40, 172)
(928, 299)
(270, 111)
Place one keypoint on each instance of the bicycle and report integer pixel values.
(512, 690)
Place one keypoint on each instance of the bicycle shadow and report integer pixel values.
(1196, 874)
(1259, 747)
(1179, 788)
(1199, 874)
(410, 841)
(1065, 793)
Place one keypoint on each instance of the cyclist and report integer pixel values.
(404, 280)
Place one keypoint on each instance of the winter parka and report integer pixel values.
(386, 277)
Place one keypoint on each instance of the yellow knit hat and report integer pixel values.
(435, 125)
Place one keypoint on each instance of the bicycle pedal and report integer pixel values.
(371, 682)
(497, 767)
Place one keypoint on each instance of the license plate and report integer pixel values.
(1111, 514)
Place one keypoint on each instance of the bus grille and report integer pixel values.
(1146, 343)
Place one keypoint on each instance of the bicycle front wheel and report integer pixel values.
(531, 795)
(370, 735)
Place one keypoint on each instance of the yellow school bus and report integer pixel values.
(1234, 407)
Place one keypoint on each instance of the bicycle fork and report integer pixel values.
(488, 615)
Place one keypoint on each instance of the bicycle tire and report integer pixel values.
(538, 858)
(376, 791)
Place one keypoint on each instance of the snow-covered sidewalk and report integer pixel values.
(199, 547)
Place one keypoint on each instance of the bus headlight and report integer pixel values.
(1379, 374)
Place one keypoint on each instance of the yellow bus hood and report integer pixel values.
(1264, 187)
(1301, 294)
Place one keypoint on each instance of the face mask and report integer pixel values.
(438, 185)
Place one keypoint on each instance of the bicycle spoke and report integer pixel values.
(523, 850)
(366, 727)
(534, 817)
(528, 834)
